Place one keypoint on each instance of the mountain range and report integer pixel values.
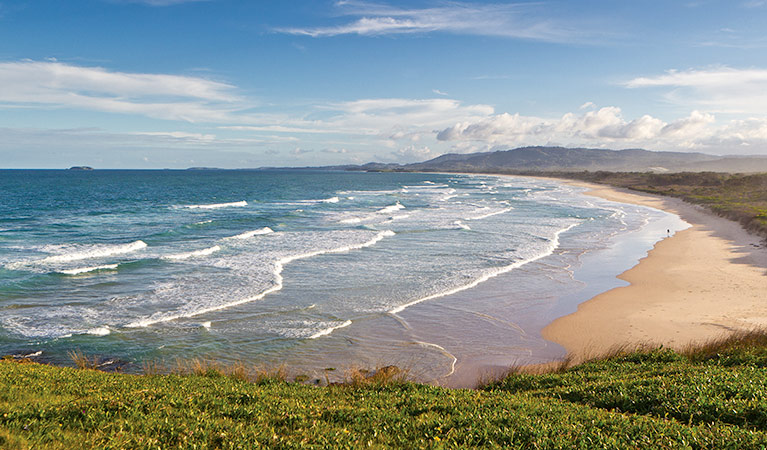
(577, 159)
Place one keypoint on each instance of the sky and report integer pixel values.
(245, 83)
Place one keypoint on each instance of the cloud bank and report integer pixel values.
(606, 127)
(53, 84)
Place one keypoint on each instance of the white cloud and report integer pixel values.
(412, 153)
(53, 84)
(298, 151)
(502, 127)
(280, 128)
(180, 136)
(377, 114)
(721, 89)
(438, 92)
(20, 138)
(516, 20)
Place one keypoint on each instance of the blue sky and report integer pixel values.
(236, 83)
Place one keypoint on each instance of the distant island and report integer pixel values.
(80, 168)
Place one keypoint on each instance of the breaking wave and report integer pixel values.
(249, 234)
(194, 254)
(80, 270)
(217, 205)
(329, 330)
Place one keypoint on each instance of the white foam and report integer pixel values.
(217, 205)
(352, 220)
(80, 270)
(249, 234)
(95, 251)
(431, 186)
(462, 225)
(206, 325)
(99, 331)
(329, 330)
(324, 200)
(553, 245)
(491, 214)
(194, 254)
(278, 268)
(390, 209)
(444, 352)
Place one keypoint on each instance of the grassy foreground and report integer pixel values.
(710, 398)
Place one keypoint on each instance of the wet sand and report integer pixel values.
(702, 283)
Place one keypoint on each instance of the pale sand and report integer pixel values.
(699, 284)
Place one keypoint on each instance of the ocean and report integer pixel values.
(314, 270)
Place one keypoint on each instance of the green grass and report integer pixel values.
(712, 397)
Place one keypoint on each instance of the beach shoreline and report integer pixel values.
(699, 284)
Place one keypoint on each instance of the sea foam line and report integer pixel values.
(494, 213)
(99, 331)
(389, 209)
(278, 268)
(249, 234)
(554, 244)
(88, 269)
(217, 205)
(329, 330)
(314, 202)
(98, 252)
(196, 253)
(461, 225)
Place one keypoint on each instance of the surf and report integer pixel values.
(239, 204)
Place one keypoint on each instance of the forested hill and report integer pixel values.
(577, 159)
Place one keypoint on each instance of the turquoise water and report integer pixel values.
(311, 269)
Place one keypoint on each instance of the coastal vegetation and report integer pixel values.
(707, 397)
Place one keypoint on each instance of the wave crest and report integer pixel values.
(329, 330)
(217, 205)
(196, 253)
(80, 270)
(249, 234)
(97, 251)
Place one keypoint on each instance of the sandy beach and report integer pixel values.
(699, 284)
